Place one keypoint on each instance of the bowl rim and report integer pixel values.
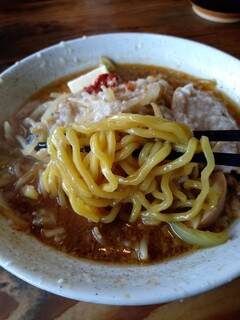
(119, 294)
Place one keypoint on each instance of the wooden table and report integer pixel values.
(30, 25)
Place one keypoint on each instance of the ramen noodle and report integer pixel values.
(90, 172)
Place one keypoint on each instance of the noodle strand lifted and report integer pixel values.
(126, 168)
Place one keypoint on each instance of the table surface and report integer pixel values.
(31, 25)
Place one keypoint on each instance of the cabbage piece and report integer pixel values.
(197, 237)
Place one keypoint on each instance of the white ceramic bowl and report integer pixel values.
(53, 271)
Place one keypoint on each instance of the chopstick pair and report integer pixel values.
(225, 159)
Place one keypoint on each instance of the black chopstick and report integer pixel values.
(224, 159)
(218, 135)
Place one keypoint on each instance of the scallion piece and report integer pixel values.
(108, 64)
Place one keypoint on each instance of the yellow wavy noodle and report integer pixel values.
(109, 178)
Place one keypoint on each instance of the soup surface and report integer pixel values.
(120, 241)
